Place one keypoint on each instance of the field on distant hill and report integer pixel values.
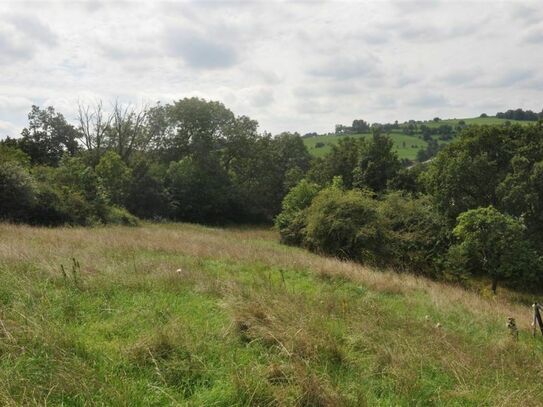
(176, 314)
(406, 146)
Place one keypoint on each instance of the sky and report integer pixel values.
(292, 66)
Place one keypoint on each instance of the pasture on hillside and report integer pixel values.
(405, 145)
(178, 314)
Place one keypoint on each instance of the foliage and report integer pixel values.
(115, 177)
(377, 165)
(191, 160)
(344, 224)
(17, 191)
(493, 244)
(417, 236)
(200, 191)
(291, 221)
(48, 137)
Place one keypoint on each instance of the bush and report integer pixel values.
(291, 221)
(120, 216)
(417, 235)
(17, 192)
(345, 224)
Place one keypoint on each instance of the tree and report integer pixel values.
(360, 126)
(93, 125)
(48, 136)
(198, 128)
(340, 161)
(115, 177)
(201, 192)
(493, 244)
(378, 164)
(127, 131)
(147, 196)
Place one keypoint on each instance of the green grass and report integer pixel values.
(245, 321)
(406, 146)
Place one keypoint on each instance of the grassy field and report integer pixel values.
(179, 314)
(406, 146)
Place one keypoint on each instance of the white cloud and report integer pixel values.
(301, 66)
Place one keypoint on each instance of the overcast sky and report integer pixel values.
(291, 66)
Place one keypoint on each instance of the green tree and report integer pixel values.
(340, 161)
(378, 164)
(115, 177)
(147, 196)
(48, 136)
(198, 128)
(493, 244)
(201, 192)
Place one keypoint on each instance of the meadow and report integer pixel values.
(178, 314)
(405, 145)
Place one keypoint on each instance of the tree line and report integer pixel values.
(519, 114)
(191, 160)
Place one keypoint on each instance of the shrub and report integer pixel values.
(417, 235)
(120, 216)
(17, 191)
(345, 224)
(292, 220)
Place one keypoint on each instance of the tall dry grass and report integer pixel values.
(49, 247)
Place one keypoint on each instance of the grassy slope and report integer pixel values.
(412, 143)
(245, 322)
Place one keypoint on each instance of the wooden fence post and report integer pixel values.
(537, 318)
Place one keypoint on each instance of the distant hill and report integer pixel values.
(408, 137)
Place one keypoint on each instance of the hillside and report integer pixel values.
(186, 315)
(406, 145)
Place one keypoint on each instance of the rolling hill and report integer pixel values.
(406, 145)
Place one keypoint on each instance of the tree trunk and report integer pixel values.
(494, 285)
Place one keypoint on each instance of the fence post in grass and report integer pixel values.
(537, 319)
(512, 326)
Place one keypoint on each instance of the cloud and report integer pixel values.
(261, 97)
(290, 65)
(21, 37)
(526, 13)
(344, 68)
(8, 129)
(34, 29)
(429, 100)
(534, 37)
(511, 77)
(199, 50)
(462, 77)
